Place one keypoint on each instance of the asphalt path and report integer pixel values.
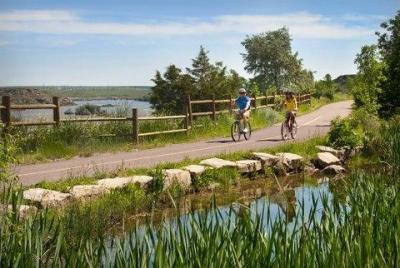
(310, 125)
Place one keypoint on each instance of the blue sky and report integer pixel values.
(72, 42)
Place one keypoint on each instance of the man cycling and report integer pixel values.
(243, 103)
(291, 108)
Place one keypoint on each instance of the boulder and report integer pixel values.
(179, 176)
(87, 191)
(326, 149)
(45, 197)
(214, 185)
(22, 210)
(333, 170)
(217, 163)
(291, 161)
(115, 183)
(268, 160)
(195, 170)
(247, 166)
(326, 159)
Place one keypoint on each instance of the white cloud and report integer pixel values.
(301, 25)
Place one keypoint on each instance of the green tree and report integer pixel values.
(325, 88)
(365, 87)
(270, 58)
(170, 90)
(389, 45)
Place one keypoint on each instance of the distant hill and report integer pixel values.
(100, 92)
(22, 95)
(341, 81)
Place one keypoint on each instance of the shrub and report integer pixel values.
(343, 133)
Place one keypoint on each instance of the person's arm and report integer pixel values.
(248, 104)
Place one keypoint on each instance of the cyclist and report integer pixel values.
(291, 108)
(243, 103)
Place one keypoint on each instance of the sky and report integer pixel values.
(99, 42)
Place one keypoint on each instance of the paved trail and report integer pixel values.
(311, 124)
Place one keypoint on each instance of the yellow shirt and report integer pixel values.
(291, 104)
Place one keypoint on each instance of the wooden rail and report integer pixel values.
(257, 102)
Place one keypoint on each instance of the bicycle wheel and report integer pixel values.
(235, 131)
(293, 133)
(284, 131)
(247, 134)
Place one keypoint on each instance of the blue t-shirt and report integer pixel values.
(242, 102)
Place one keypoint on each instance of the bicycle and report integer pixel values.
(285, 130)
(237, 130)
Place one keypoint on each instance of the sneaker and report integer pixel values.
(245, 130)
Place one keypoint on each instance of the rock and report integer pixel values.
(327, 149)
(22, 210)
(246, 166)
(218, 163)
(114, 183)
(310, 169)
(326, 159)
(279, 169)
(195, 170)
(87, 191)
(214, 185)
(323, 180)
(292, 162)
(268, 160)
(46, 197)
(333, 170)
(179, 176)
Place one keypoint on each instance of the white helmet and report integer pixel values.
(242, 90)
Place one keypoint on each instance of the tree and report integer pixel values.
(269, 57)
(170, 90)
(325, 88)
(389, 45)
(365, 87)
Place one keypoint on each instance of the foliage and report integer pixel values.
(365, 86)
(270, 58)
(8, 153)
(203, 80)
(325, 88)
(389, 45)
(343, 133)
(89, 109)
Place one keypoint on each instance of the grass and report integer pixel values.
(41, 144)
(360, 229)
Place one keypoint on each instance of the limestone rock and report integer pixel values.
(291, 161)
(214, 185)
(266, 159)
(217, 163)
(325, 159)
(115, 183)
(45, 197)
(246, 166)
(327, 149)
(333, 170)
(195, 170)
(179, 176)
(22, 210)
(87, 191)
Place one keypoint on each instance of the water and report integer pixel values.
(143, 107)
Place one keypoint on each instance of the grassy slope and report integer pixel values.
(131, 92)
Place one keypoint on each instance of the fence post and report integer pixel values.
(189, 109)
(135, 126)
(213, 108)
(273, 101)
(230, 104)
(186, 120)
(56, 111)
(255, 102)
(6, 113)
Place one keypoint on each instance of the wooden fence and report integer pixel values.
(257, 102)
